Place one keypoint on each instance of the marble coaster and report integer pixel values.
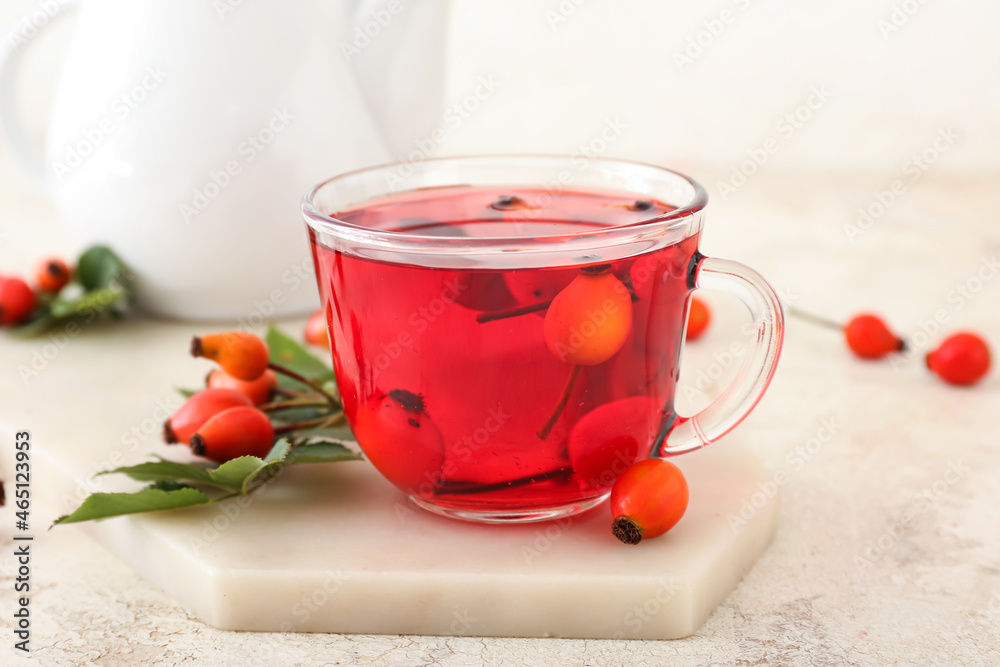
(335, 548)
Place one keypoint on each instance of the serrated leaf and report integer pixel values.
(104, 505)
(291, 354)
(100, 268)
(279, 451)
(233, 474)
(320, 452)
(275, 462)
(152, 471)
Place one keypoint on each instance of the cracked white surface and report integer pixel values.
(930, 596)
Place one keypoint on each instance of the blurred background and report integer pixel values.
(804, 110)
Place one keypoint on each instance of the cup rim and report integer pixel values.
(327, 224)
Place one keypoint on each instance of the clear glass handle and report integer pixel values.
(689, 433)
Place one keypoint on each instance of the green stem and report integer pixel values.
(277, 368)
(319, 422)
(293, 403)
(815, 319)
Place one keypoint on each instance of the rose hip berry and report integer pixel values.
(198, 409)
(648, 500)
(609, 439)
(232, 433)
(533, 287)
(401, 440)
(52, 275)
(962, 358)
(241, 354)
(316, 332)
(698, 318)
(589, 320)
(869, 337)
(17, 300)
(259, 391)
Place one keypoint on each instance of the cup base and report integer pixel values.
(511, 515)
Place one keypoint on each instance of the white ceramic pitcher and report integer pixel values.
(184, 133)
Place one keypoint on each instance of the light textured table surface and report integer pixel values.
(888, 550)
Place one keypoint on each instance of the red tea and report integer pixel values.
(466, 391)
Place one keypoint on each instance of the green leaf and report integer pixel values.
(291, 354)
(321, 452)
(275, 462)
(96, 301)
(153, 471)
(233, 474)
(186, 393)
(169, 485)
(296, 415)
(100, 268)
(100, 288)
(34, 326)
(342, 433)
(104, 505)
(279, 451)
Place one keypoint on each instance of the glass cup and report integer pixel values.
(506, 330)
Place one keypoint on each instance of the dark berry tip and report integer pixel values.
(626, 530)
(55, 269)
(197, 445)
(196, 347)
(507, 202)
(901, 346)
(413, 422)
(408, 400)
(168, 434)
(641, 205)
(596, 269)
